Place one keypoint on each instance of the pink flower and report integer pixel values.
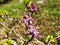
(33, 30)
(24, 19)
(34, 8)
(30, 21)
(25, 16)
(27, 20)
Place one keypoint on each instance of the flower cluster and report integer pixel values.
(28, 21)
(32, 7)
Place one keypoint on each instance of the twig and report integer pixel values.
(56, 38)
(5, 26)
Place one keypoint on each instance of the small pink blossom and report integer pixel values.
(34, 7)
(24, 19)
(33, 30)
